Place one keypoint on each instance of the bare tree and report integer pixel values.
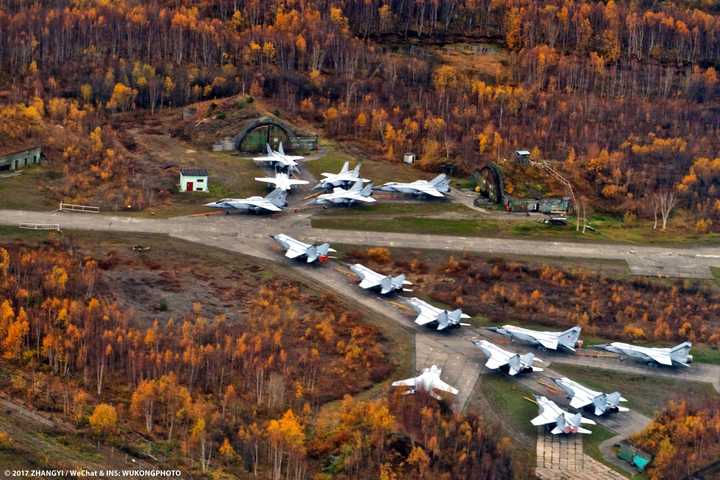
(663, 202)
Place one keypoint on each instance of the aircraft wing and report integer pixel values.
(266, 204)
(660, 357)
(551, 343)
(268, 158)
(542, 420)
(428, 190)
(440, 385)
(368, 283)
(294, 252)
(578, 402)
(494, 363)
(410, 382)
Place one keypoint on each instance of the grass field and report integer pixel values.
(510, 400)
(611, 232)
(23, 192)
(645, 393)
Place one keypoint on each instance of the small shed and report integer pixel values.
(194, 180)
(635, 457)
(522, 157)
(409, 158)
(15, 159)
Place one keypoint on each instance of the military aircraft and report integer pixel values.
(282, 181)
(344, 178)
(549, 340)
(444, 318)
(428, 381)
(565, 422)
(498, 358)
(279, 159)
(340, 196)
(434, 188)
(386, 283)
(296, 249)
(580, 397)
(670, 357)
(273, 202)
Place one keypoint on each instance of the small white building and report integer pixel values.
(194, 180)
(409, 158)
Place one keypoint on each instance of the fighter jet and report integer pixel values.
(341, 196)
(434, 188)
(580, 397)
(549, 340)
(273, 202)
(386, 283)
(498, 358)
(296, 249)
(565, 422)
(282, 181)
(279, 159)
(428, 381)
(444, 318)
(344, 178)
(670, 357)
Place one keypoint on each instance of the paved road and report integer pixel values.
(253, 230)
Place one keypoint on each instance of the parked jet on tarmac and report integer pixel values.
(565, 422)
(344, 178)
(549, 340)
(279, 159)
(282, 181)
(580, 397)
(444, 318)
(347, 197)
(296, 248)
(434, 188)
(428, 381)
(386, 283)
(499, 357)
(273, 202)
(670, 357)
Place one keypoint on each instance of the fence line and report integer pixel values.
(40, 226)
(69, 207)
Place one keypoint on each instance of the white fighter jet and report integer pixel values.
(371, 280)
(580, 397)
(498, 358)
(670, 357)
(340, 196)
(549, 340)
(344, 178)
(434, 188)
(428, 381)
(444, 318)
(273, 202)
(279, 159)
(565, 422)
(282, 181)
(296, 249)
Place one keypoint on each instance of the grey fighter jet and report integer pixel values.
(565, 422)
(549, 340)
(370, 279)
(428, 314)
(279, 159)
(433, 188)
(296, 249)
(273, 202)
(669, 357)
(344, 178)
(341, 196)
(282, 181)
(580, 397)
(499, 358)
(428, 381)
